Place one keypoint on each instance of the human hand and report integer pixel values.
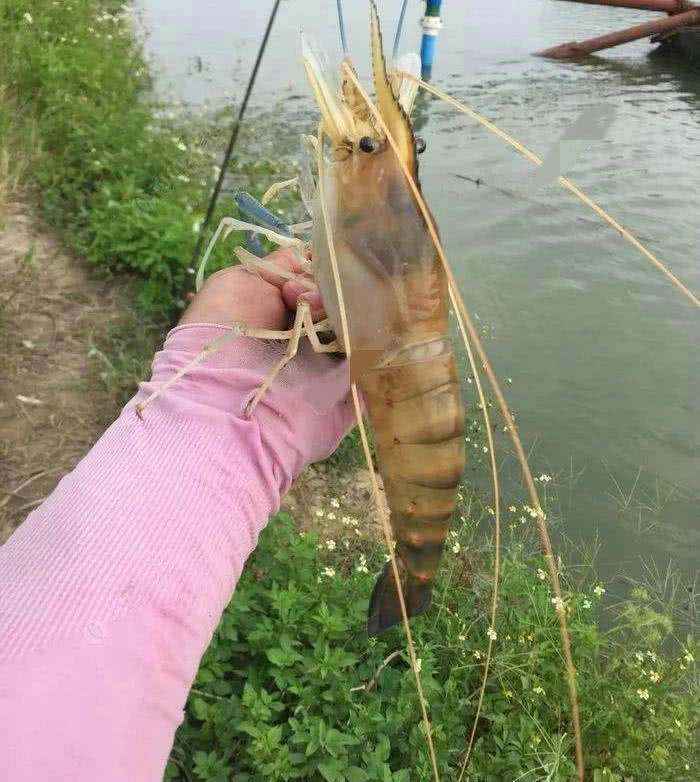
(307, 410)
(260, 299)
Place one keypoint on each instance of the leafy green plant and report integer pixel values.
(291, 687)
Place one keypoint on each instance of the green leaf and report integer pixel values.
(330, 771)
(356, 774)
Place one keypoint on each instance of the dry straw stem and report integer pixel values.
(563, 181)
(368, 458)
(520, 453)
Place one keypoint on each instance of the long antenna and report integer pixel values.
(232, 142)
(399, 27)
(341, 25)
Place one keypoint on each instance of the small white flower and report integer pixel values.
(329, 571)
(599, 590)
(334, 502)
(491, 634)
(686, 767)
(544, 478)
(509, 379)
(28, 18)
(419, 665)
(183, 178)
(651, 655)
(688, 657)
(541, 574)
(558, 603)
(587, 603)
(181, 146)
(320, 513)
(330, 545)
(511, 508)
(640, 657)
(654, 676)
(477, 654)
(196, 225)
(330, 516)
(643, 694)
(490, 510)
(538, 690)
(485, 449)
(462, 637)
(522, 519)
(456, 548)
(652, 710)
(346, 543)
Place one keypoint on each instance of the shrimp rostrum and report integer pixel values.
(385, 293)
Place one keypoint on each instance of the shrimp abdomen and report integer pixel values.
(417, 416)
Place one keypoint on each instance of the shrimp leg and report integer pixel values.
(302, 325)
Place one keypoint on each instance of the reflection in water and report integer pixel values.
(602, 351)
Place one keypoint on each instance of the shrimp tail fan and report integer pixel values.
(385, 605)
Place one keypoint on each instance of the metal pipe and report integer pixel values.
(579, 48)
(663, 6)
(431, 24)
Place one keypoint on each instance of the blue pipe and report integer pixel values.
(431, 24)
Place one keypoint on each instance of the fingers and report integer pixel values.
(293, 292)
(257, 297)
(286, 260)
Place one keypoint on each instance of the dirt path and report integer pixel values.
(58, 389)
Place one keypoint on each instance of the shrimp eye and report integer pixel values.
(368, 144)
(420, 145)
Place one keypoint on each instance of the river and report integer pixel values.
(601, 349)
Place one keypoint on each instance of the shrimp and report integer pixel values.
(397, 325)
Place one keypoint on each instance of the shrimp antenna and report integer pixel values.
(341, 26)
(399, 27)
(562, 180)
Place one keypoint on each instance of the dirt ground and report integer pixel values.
(55, 398)
(61, 383)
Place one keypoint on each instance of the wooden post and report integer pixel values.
(663, 6)
(580, 48)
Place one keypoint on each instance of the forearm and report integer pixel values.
(113, 587)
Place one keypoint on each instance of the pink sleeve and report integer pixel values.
(111, 590)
